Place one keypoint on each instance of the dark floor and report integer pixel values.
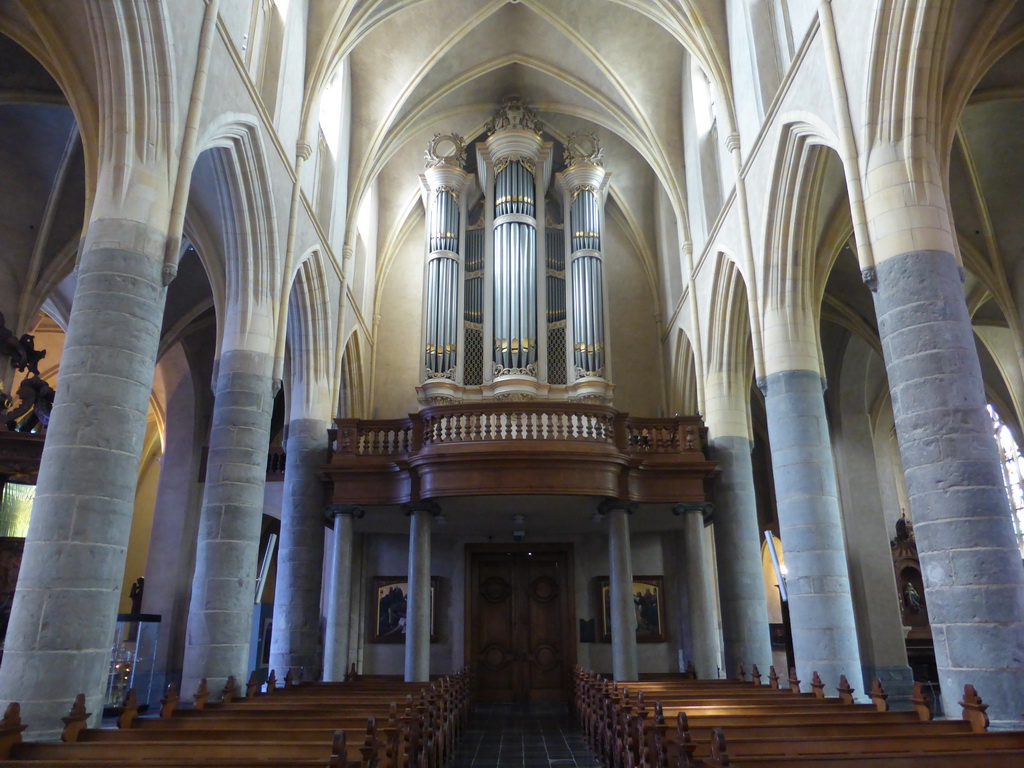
(523, 736)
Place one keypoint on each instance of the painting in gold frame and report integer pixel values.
(648, 606)
(389, 602)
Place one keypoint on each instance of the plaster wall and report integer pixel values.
(750, 92)
(399, 361)
(650, 558)
(632, 329)
(388, 555)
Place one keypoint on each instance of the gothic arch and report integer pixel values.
(352, 390)
(904, 79)
(793, 268)
(626, 126)
(789, 250)
(985, 47)
(309, 337)
(729, 340)
(234, 157)
(683, 390)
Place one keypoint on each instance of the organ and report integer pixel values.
(513, 304)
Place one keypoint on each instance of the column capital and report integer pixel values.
(332, 511)
(610, 505)
(705, 508)
(168, 273)
(423, 505)
(869, 276)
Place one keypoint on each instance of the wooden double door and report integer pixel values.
(520, 622)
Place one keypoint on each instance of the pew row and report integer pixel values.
(348, 725)
(775, 726)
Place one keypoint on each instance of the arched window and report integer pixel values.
(255, 43)
(1013, 471)
(331, 101)
(705, 116)
(704, 109)
(783, 32)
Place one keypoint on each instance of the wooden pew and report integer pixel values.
(296, 725)
(779, 729)
(360, 751)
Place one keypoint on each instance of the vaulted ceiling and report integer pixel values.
(614, 68)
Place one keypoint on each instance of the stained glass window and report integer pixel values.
(15, 509)
(1013, 471)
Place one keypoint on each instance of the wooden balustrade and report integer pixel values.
(499, 422)
(518, 448)
(276, 461)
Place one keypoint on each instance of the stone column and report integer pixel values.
(974, 582)
(295, 642)
(741, 590)
(703, 629)
(62, 620)
(224, 583)
(339, 603)
(883, 652)
(820, 604)
(172, 540)
(620, 589)
(417, 614)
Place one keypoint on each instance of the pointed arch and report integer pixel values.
(234, 156)
(198, 241)
(352, 395)
(309, 338)
(730, 350)
(788, 255)
(905, 75)
(985, 47)
(683, 393)
(136, 84)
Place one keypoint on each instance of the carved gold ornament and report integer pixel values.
(583, 147)
(446, 149)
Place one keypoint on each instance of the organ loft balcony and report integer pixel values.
(519, 448)
(516, 360)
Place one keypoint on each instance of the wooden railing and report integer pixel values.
(276, 460)
(502, 422)
(483, 422)
(513, 448)
(503, 448)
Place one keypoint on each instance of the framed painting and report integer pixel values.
(389, 604)
(648, 609)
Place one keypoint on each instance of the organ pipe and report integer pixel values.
(496, 268)
(583, 180)
(445, 180)
(515, 268)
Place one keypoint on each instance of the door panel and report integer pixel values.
(521, 643)
(494, 622)
(544, 621)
